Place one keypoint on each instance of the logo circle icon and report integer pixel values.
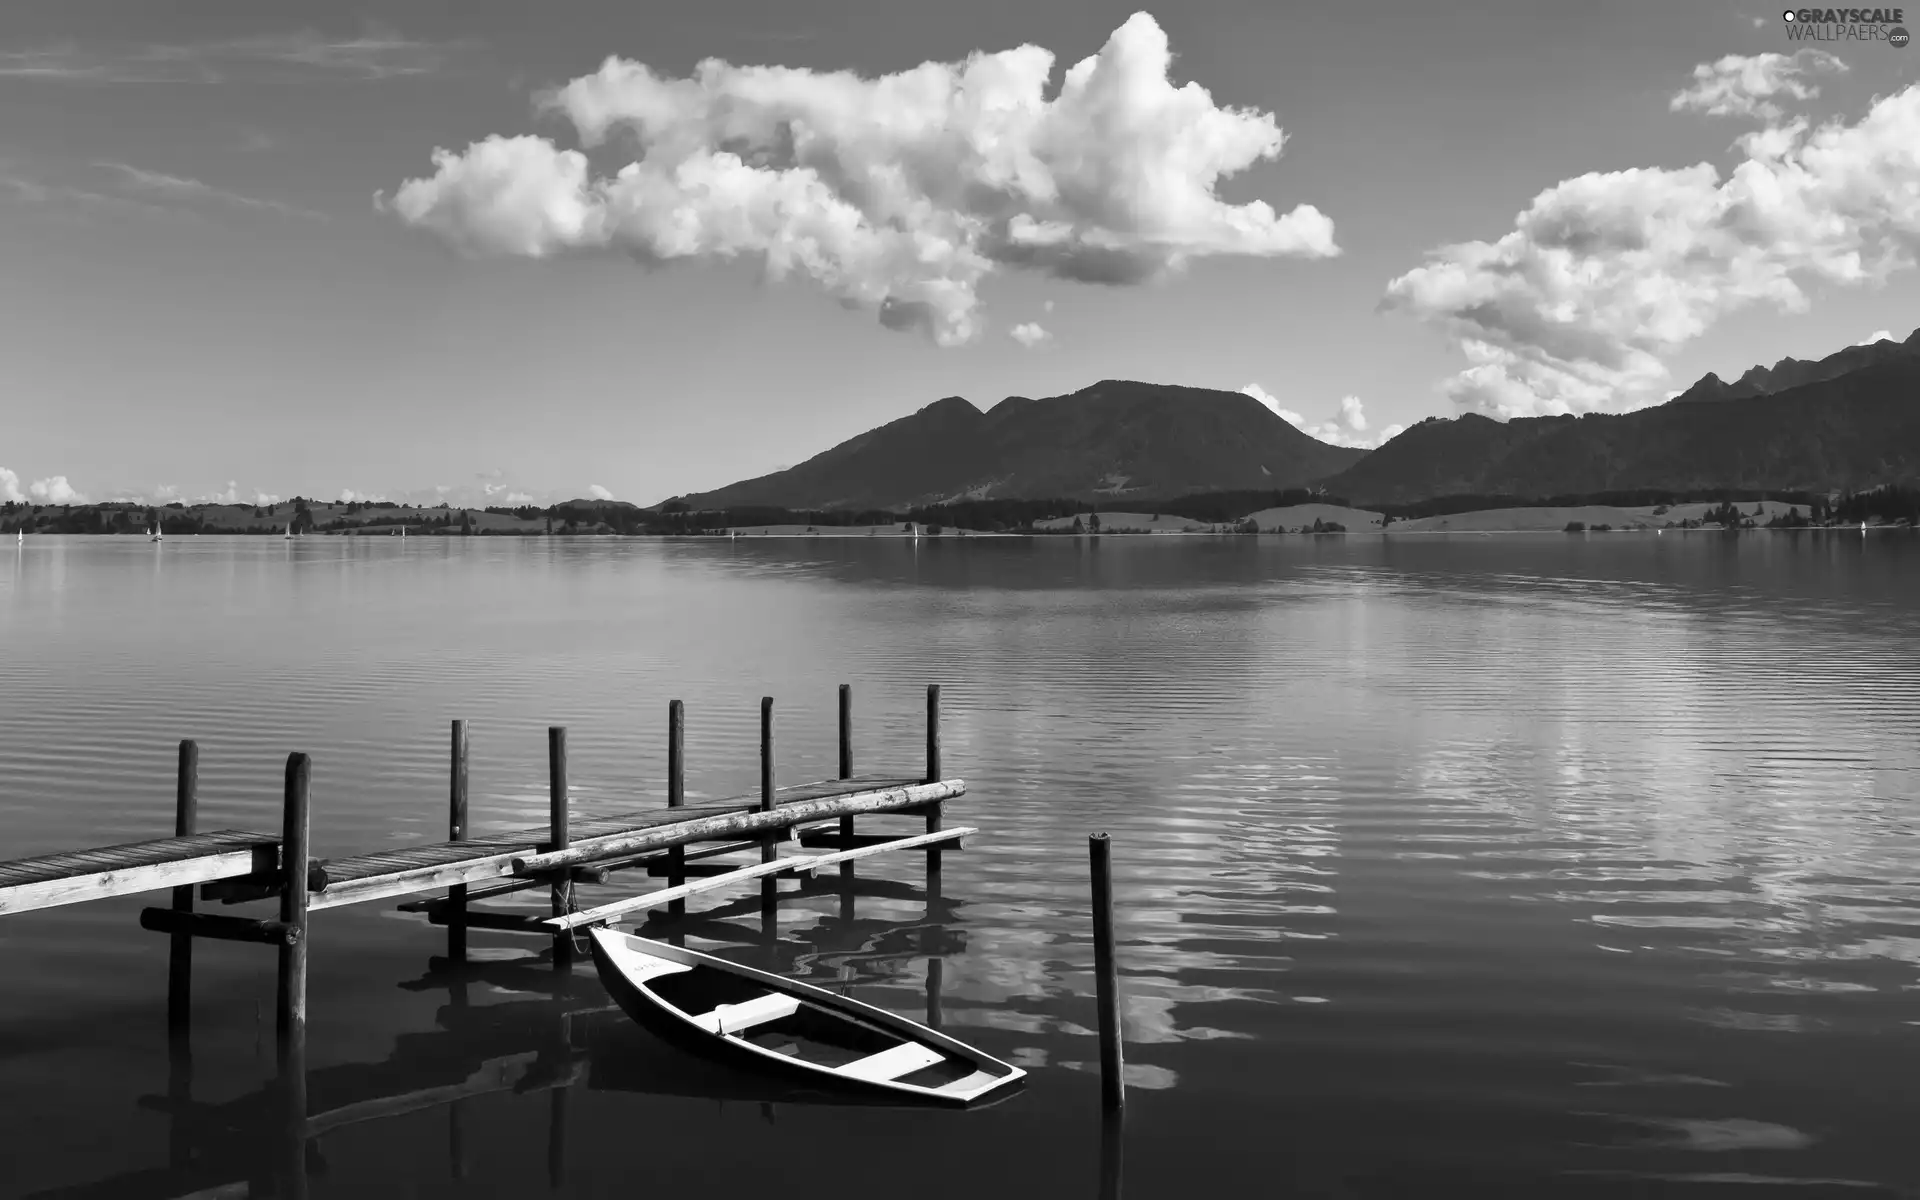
(1898, 36)
(1789, 16)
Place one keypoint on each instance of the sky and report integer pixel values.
(498, 252)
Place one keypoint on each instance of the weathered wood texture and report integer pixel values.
(130, 868)
(1106, 974)
(290, 1018)
(764, 871)
(213, 925)
(402, 872)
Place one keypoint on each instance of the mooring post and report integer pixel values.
(676, 796)
(1112, 1151)
(290, 1025)
(933, 776)
(457, 832)
(846, 772)
(186, 803)
(558, 838)
(1106, 980)
(769, 850)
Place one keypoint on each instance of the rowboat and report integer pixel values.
(769, 1022)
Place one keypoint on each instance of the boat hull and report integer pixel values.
(623, 963)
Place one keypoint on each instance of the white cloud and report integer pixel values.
(1604, 274)
(1744, 85)
(598, 492)
(1348, 427)
(1878, 335)
(10, 487)
(262, 499)
(52, 490)
(516, 499)
(898, 194)
(349, 496)
(1029, 334)
(1047, 307)
(230, 496)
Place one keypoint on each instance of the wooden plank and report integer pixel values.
(891, 1063)
(212, 925)
(827, 839)
(493, 860)
(818, 861)
(71, 863)
(887, 800)
(594, 916)
(202, 867)
(689, 870)
(502, 922)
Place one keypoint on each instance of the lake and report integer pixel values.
(1515, 865)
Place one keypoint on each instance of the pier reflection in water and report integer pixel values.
(511, 1025)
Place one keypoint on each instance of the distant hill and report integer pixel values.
(1796, 372)
(1112, 440)
(1848, 421)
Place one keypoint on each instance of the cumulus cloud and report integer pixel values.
(1878, 335)
(1029, 334)
(516, 499)
(1744, 85)
(598, 492)
(54, 489)
(349, 496)
(262, 499)
(1602, 275)
(230, 496)
(1348, 427)
(897, 194)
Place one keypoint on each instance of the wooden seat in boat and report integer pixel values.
(732, 1018)
(904, 1059)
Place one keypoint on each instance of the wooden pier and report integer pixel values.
(675, 842)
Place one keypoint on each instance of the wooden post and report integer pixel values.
(558, 838)
(1106, 980)
(290, 1025)
(457, 832)
(846, 772)
(676, 795)
(933, 776)
(1112, 1150)
(186, 804)
(769, 850)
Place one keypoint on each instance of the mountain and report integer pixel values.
(1852, 430)
(1114, 439)
(1795, 372)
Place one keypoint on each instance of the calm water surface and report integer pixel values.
(1517, 865)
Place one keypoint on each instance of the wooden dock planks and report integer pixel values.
(48, 880)
(402, 872)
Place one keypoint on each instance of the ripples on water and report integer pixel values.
(1533, 864)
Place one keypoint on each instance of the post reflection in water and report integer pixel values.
(551, 1031)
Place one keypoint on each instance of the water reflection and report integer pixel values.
(1442, 829)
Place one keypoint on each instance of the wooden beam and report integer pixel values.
(212, 925)
(593, 916)
(57, 879)
(899, 799)
(827, 839)
(753, 821)
(290, 1019)
(686, 871)
(503, 922)
(818, 861)
(261, 885)
(559, 836)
